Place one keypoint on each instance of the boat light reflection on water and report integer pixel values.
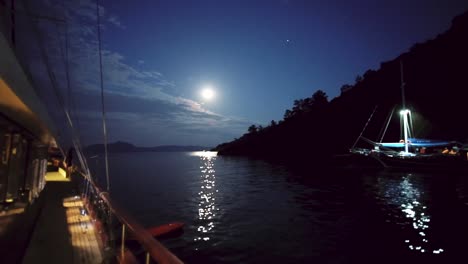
(207, 195)
(407, 197)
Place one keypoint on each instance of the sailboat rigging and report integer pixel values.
(410, 152)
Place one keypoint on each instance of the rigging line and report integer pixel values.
(67, 73)
(84, 193)
(365, 126)
(106, 161)
(18, 11)
(64, 56)
(71, 101)
(402, 127)
(71, 98)
(402, 85)
(411, 126)
(388, 123)
(53, 81)
(87, 190)
(75, 134)
(44, 58)
(102, 97)
(80, 155)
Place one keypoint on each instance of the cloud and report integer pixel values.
(154, 122)
(142, 105)
(145, 121)
(115, 21)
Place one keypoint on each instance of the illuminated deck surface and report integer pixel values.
(62, 234)
(59, 175)
(86, 248)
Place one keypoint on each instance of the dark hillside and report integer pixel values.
(436, 78)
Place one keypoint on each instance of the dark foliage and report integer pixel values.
(435, 74)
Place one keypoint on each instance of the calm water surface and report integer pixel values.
(239, 210)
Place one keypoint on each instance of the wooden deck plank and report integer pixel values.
(50, 240)
(62, 234)
(83, 235)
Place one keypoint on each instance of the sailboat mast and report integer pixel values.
(405, 111)
(405, 126)
(402, 86)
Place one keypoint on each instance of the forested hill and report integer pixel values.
(120, 147)
(436, 88)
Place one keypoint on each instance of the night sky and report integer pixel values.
(258, 56)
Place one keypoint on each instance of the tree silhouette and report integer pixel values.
(319, 98)
(368, 74)
(358, 79)
(345, 88)
(433, 76)
(252, 129)
(307, 105)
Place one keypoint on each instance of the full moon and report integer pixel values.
(208, 93)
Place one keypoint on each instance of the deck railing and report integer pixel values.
(17, 30)
(153, 248)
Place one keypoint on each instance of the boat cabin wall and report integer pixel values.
(23, 164)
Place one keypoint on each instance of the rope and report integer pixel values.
(402, 85)
(54, 85)
(411, 126)
(60, 99)
(389, 118)
(106, 160)
(71, 101)
(365, 126)
(43, 54)
(64, 53)
(102, 98)
(75, 134)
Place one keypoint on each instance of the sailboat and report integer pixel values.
(410, 152)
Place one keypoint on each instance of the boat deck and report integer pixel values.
(61, 234)
(86, 246)
(60, 176)
(16, 224)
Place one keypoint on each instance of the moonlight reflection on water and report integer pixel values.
(240, 210)
(207, 195)
(408, 198)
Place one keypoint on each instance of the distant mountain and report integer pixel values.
(119, 147)
(436, 85)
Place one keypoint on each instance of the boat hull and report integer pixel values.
(425, 162)
(380, 160)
